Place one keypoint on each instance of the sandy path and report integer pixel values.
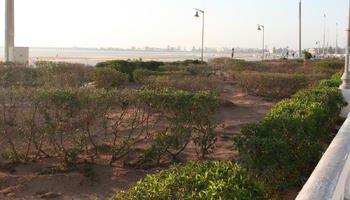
(27, 183)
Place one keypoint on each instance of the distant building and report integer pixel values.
(313, 51)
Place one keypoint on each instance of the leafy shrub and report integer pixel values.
(335, 81)
(190, 117)
(195, 180)
(108, 78)
(287, 144)
(149, 65)
(71, 122)
(271, 84)
(329, 97)
(122, 66)
(128, 67)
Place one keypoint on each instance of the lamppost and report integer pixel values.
(197, 15)
(324, 36)
(262, 27)
(346, 75)
(300, 28)
(336, 39)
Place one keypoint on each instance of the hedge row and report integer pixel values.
(285, 147)
(44, 75)
(89, 122)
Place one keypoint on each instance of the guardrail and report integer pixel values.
(331, 178)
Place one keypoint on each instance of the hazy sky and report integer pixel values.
(158, 23)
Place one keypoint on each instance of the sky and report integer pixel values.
(159, 23)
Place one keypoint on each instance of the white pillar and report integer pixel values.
(346, 75)
(9, 27)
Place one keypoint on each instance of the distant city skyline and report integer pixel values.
(162, 23)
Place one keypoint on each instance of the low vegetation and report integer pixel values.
(146, 114)
(284, 148)
(195, 180)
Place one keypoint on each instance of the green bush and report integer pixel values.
(122, 66)
(335, 81)
(195, 180)
(287, 144)
(128, 67)
(108, 78)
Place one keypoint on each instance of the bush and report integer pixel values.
(186, 63)
(287, 144)
(195, 180)
(186, 83)
(108, 78)
(335, 81)
(330, 64)
(70, 123)
(271, 84)
(141, 75)
(62, 75)
(128, 67)
(122, 66)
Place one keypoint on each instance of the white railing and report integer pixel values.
(330, 179)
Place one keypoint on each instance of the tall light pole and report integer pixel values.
(336, 39)
(346, 75)
(197, 15)
(9, 28)
(262, 27)
(324, 36)
(300, 28)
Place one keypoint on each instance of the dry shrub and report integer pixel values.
(109, 78)
(186, 83)
(63, 74)
(327, 66)
(274, 85)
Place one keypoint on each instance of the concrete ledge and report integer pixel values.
(330, 179)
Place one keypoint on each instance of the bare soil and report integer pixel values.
(30, 181)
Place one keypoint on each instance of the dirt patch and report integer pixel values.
(31, 181)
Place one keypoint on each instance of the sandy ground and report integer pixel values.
(27, 182)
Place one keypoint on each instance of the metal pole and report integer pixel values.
(203, 39)
(263, 49)
(9, 28)
(346, 75)
(324, 36)
(336, 39)
(300, 53)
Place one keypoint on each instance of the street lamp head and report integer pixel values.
(259, 28)
(196, 15)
